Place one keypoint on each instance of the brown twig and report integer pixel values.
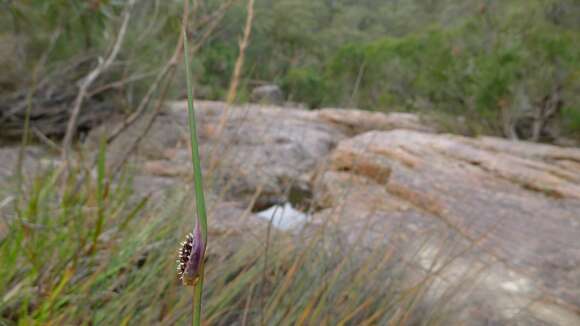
(119, 83)
(90, 79)
(166, 75)
(240, 60)
(168, 69)
(213, 25)
(215, 15)
(232, 93)
(44, 139)
(163, 80)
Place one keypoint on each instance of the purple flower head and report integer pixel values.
(191, 257)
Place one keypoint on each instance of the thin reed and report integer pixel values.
(201, 219)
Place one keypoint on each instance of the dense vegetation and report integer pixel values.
(494, 62)
(500, 65)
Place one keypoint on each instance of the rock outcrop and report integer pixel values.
(511, 207)
(498, 216)
(267, 94)
(251, 151)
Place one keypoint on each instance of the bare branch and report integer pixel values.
(168, 69)
(236, 75)
(240, 61)
(90, 79)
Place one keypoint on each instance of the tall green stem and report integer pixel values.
(197, 179)
(196, 162)
(197, 295)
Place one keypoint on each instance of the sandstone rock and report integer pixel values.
(499, 216)
(31, 160)
(514, 203)
(358, 121)
(511, 206)
(268, 94)
(164, 168)
(493, 221)
(251, 148)
(262, 149)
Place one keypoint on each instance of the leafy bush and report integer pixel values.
(305, 85)
(453, 71)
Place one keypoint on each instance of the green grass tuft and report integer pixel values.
(51, 273)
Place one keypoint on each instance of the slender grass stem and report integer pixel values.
(197, 179)
(196, 162)
(194, 305)
(197, 296)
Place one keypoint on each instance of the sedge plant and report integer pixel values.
(192, 252)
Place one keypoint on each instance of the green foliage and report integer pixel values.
(473, 58)
(81, 26)
(50, 242)
(305, 85)
(215, 61)
(467, 58)
(63, 31)
(474, 69)
(571, 119)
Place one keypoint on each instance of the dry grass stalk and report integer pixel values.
(232, 93)
(240, 60)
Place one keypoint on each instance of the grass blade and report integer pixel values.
(197, 179)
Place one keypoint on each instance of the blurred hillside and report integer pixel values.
(509, 68)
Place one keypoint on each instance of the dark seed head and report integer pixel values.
(190, 258)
